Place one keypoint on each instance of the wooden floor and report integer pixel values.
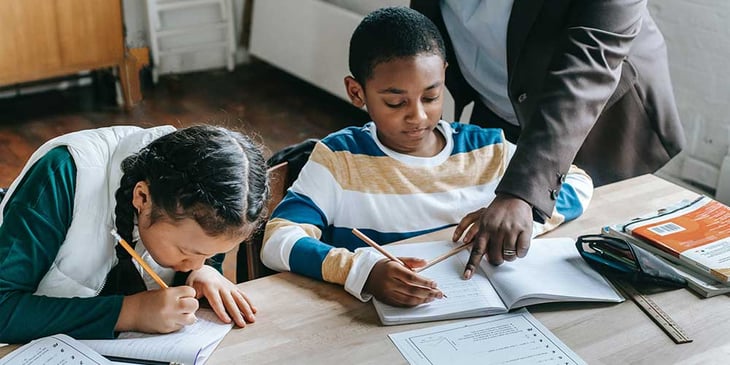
(256, 98)
(276, 108)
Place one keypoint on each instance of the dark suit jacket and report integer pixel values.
(589, 82)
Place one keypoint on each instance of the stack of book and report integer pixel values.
(692, 236)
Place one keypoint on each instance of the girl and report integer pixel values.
(179, 197)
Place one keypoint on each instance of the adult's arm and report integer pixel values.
(582, 75)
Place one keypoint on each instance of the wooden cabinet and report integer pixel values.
(48, 38)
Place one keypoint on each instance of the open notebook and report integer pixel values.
(553, 271)
(190, 345)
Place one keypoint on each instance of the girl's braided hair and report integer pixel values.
(210, 174)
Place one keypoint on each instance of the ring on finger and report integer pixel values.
(509, 252)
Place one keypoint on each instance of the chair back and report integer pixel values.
(249, 264)
(278, 183)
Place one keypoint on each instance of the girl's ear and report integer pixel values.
(141, 199)
(355, 91)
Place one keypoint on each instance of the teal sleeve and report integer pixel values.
(217, 262)
(35, 222)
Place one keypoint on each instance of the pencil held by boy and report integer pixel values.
(178, 197)
(405, 174)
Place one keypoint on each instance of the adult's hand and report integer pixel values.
(502, 231)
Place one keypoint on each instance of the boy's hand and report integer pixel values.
(158, 311)
(224, 297)
(394, 284)
(502, 231)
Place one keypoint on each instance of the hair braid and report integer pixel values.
(124, 209)
(258, 184)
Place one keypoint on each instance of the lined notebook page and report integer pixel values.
(465, 297)
(192, 344)
(552, 271)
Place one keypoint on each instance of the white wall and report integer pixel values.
(135, 21)
(698, 40)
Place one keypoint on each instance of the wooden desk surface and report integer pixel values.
(304, 321)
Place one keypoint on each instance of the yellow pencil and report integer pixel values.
(443, 257)
(136, 256)
(387, 254)
(376, 246)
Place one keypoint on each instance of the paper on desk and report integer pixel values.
(56, 349)
(191, 345)
(511, 338)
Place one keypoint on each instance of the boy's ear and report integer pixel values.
(355, 91)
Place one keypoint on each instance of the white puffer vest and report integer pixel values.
(87, 254)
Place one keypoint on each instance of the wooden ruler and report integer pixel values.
(661, 318)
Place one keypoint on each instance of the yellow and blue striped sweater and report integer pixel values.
(352, 181)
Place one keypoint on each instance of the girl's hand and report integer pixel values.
(226, 300)
(394, 284)
(158, 311)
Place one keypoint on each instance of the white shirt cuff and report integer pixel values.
(359, 272)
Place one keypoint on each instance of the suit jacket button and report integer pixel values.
(522, 98)
(553, 194)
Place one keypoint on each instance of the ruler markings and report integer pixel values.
(651, 309)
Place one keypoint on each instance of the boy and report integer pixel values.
(404, 174)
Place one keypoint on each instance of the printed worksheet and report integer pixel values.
(56, 349)
(512, 338)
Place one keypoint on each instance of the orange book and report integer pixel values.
(697, 234)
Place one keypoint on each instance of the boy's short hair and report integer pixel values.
(390, 33)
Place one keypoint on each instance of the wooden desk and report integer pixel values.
(305, 321)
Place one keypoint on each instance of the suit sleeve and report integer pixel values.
(572, 201)
(582, 75)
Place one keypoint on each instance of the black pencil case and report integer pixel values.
(622, 259)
